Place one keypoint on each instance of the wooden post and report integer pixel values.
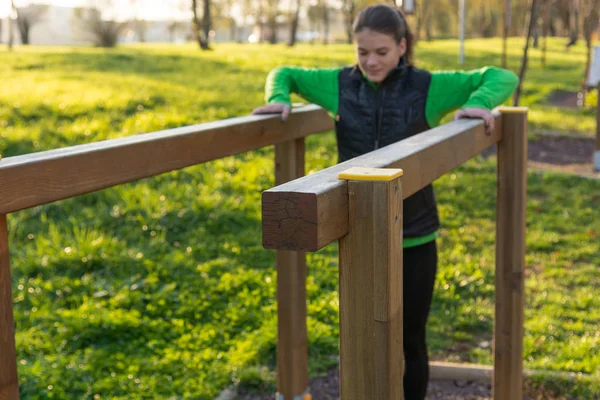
(292, 342)
(597, 152)
(9, 384)
(371, 353)
(510, 255)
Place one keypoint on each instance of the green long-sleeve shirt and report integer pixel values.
(449, 90)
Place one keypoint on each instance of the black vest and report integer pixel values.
(370, 118)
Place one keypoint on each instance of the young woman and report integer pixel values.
(382, 100)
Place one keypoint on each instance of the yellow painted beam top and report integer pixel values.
(512, 110)
(370, 174)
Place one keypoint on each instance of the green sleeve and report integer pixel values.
(315, 85)
(487, 88)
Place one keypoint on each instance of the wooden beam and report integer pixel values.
(40, 178)
(292, 342)
(371, 353)
(510, 256)
(312, 212)
(9, 384)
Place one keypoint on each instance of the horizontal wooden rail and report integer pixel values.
(312, 212)
(40, 178)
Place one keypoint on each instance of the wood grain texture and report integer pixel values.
(9, 384)
(510, 258)
(292, 342)
(371, 353)
(312, 212)
(40, 178)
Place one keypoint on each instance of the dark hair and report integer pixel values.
(388, 20)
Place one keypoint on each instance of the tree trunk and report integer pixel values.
(425, 21)
(141, 29)
(532, 18)
(423, 17)
(536, 35)
(428, 32)
(232, 29)
(11, 34)
(574, 25)
(23, 25)
(350, 8)
(196, 27)
(325, 23)
(261, 23)
(546, 21)
(482, 19)
(273, 29)
(506, 29)
(551, 25)
(294, 24)
(206, 22)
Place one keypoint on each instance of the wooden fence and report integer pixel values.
(366, 217)
(303, 215)
(39, 178)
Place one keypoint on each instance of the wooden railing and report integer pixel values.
(39, 178)
(366, 217)
(304, 215)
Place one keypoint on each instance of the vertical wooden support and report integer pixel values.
(9, 385)
(596, 161)
(371, 353)
(510, 256)
(292, 343)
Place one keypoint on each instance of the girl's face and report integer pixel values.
(377, 53)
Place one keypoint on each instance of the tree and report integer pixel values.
(505, 29)
(294, 19)
(11, 35)
(546, 27)
(202, 37)
(532, 19)
(423, 19)
(103, 30)
(349, 9)
(271, 8)
(324, 7)
(574, 24)
(138, 24)
(174, 27)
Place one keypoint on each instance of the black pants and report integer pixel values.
(420, 265)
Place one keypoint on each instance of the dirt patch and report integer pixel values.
(328, 388)
(565, 99)
(572, 155)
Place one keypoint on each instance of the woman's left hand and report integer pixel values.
(473, 112)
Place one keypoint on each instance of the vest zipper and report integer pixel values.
(379, 115)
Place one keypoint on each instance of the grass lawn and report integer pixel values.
(161, 288)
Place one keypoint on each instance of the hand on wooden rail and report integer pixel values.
(274, 108)
(474, 112)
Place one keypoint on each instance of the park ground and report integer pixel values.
(161, 288)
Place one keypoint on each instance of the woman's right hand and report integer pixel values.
(274, 108)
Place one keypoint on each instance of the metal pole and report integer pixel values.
(461, 29)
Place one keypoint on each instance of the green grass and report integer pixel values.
(161, 288)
